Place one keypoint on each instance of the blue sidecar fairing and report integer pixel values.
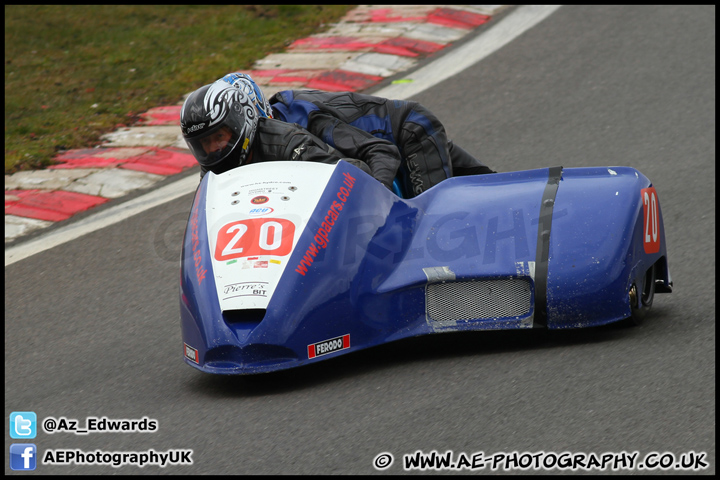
(265, 288)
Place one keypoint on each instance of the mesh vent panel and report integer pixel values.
(481, 299)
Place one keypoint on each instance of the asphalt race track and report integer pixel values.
(92, 326)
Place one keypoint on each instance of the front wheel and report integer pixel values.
(640, 306)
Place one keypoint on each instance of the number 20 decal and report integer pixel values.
(255, 236)
(651, 220)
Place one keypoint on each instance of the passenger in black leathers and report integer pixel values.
(344, 120)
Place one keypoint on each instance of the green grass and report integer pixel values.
(73, 73)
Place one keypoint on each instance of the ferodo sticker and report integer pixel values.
(255, 236)
(329, 346)
(651, 220)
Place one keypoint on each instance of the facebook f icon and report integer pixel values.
(23, 456)
(23, 425)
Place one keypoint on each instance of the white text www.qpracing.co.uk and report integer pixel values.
(546, 461)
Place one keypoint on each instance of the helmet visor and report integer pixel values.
(218, 144)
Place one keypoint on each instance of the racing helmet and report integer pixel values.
(219, 109)
(245, 82)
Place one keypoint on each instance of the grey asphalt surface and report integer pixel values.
(92, 327)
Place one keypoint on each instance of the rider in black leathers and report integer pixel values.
(221, 127)
(277, 140)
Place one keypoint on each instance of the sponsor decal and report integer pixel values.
(321, 236)
(256, 212)
(329, 346)
(260, 199)
(253, 237)
(191, 353)
(651, 220)
(262, 191)
(195, 128)
(261, 264)
(245, 289)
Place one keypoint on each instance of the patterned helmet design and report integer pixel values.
(248, 85)
(218, 123)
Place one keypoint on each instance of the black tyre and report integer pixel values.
(640, 306)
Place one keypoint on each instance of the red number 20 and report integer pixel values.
(256, 236)
(651, 220)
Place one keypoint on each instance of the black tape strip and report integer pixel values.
(543, 246)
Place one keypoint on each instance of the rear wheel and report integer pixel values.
(640, 306)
